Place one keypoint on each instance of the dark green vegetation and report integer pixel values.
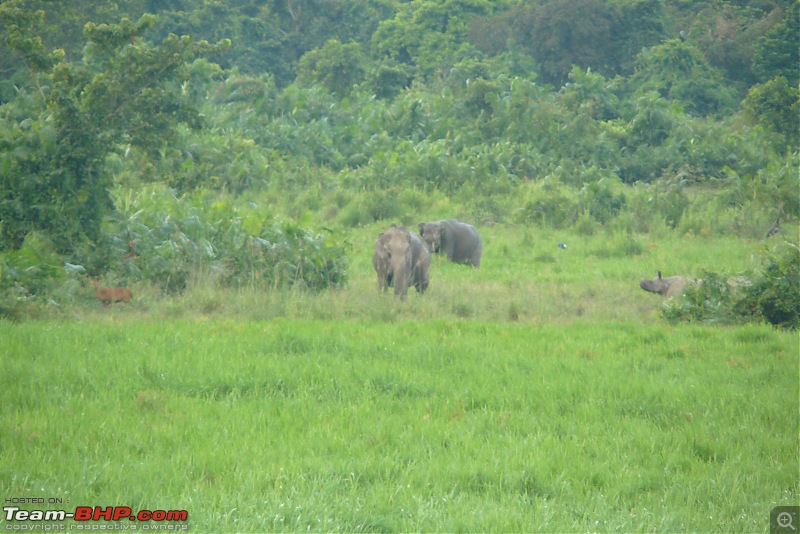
(233, 162)
(370, 425)
(142, 142)
(773, 295)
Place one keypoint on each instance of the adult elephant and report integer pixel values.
(459, 241)
(401, 259)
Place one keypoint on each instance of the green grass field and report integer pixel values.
(540, 393)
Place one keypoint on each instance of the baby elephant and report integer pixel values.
(400, 259)
(671, 286)
(458, 240)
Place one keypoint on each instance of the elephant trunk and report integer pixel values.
(402, 266)
(401, 281)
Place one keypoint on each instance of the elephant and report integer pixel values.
(401, 259)
(671, 286)
(459, 241)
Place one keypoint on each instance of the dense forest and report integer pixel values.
(141, 139)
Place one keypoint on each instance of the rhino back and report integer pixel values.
(675, 285)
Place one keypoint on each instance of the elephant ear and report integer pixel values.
(421, 228)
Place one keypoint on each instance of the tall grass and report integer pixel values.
(524, 276)
(539, 392)
(354, 425)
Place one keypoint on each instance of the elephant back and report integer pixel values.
(461, 242)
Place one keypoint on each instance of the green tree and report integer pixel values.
(60, 23)
(271, 37)
(589, 92)
(678, 71)
(17, 30)
(564, 33)
(124, 93)
(389, 78)
(777, 52)
(603, 36)
(776, 106)
(642, 26)
(428, 35)
(337, 67)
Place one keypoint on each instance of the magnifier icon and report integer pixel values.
(784, 520)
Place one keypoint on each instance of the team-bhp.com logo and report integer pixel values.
(87, 516)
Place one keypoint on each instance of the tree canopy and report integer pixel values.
(514, 110)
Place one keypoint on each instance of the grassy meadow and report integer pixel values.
(541, 392)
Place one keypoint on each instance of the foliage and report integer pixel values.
(212, 159)
(122, 93)
(335, 66)
(610, 116)
(776, 293)
(661, 201)
(271, 37)
(426, 35)
(773, 294)
(776, 107)
(564, 33)
(166, 240)
(679, 71)
(389, 78)
(776, 52)
(602, 199)
(714, 300)
(30, 274)
(589, 93)
(549, 204)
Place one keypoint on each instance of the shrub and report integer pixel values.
(662, 199)
(169, 239)
(382, 205)
(773, 296)
(477, 98)
(712, 301)
(776, 294)
(388, 79)
(619, 245)
(549, 204)
(29, 276)
(602, 199)
(586, 225)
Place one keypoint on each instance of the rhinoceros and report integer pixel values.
(672, 286)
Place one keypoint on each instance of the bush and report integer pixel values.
(166, 240)
(382, 205)
(549, 204)
(387, 80)
(714, 300)
(773, 296)
(602, 199)
(619, 245)
(776, 294)
(662, 200)
(30, 276)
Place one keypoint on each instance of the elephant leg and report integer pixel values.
(420, 281)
